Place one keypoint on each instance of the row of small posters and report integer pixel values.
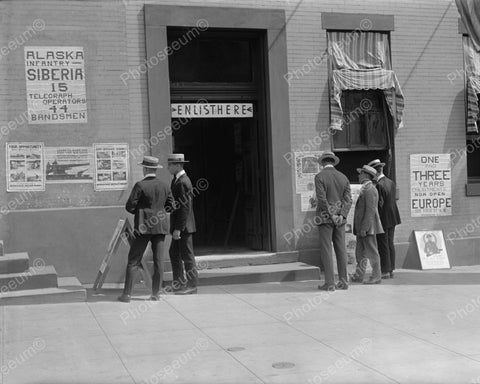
(31, 165)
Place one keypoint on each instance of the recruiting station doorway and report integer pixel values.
(226, 139)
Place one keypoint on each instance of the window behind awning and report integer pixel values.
(361, 60)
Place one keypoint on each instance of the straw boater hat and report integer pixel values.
(368, 170)
(177, 158)
(376, 163)
(329, 155)
(150, 162)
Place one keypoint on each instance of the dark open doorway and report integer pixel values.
(224, 153)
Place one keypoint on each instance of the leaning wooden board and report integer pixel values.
(123, 227)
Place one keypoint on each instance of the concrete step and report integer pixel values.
(229, 260)
(242, 275)
(33, 278)
(14, 262)
(69, 290)
(259, 274)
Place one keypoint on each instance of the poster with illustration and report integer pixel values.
(69, 165)
(306, 167)
(111, 167)
(432, 250)
(25, 167)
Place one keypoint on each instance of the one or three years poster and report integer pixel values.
(430, 185)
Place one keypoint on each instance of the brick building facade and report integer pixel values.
(69, 225)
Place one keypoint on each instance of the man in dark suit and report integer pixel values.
(149, 201)
(389, 216)
(182, 227)
(334, 200)
(366, 225)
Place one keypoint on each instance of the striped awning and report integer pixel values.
(376, 78)
(472, 83)
(361, 61)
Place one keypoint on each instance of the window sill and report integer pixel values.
(472, 188)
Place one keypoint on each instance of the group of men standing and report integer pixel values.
(150, 201)
(375, 217)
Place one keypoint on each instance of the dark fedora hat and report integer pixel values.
(376, 163)
(368, 170)
(150, 162)
(177, 158)
(329, 155)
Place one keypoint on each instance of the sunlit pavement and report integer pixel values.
(420, 327)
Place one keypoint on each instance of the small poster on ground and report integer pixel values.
(432, 250)
(306, 167)
(25, 167)
(430, 184)
(111, 167)
(69, 165)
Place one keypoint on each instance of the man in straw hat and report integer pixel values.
(182, 227)
(334, 200)
(366, 225)
(149, 201)
(389, 216)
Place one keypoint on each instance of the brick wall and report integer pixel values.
(425, 47)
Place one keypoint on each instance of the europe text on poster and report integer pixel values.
(69, 165)
(432, 250)
(306, 167)
(25, 167)
(350, 238)
(111, 167)
(430, 184)
(55, 85)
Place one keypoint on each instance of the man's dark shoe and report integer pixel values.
(124, 298)
(187, 291)
(391, 275)
(155, 297)
(372, 281)
(385, 275)
(325, 287)
(341, 285)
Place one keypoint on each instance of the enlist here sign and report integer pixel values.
(209, 110)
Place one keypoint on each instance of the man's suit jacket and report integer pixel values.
(333, 195)
(150, 201)
(182, 217)
(366, 217)
(387, 204)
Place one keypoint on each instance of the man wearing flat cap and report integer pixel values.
(334, 200)
(182, 227)
(389, 216)
(149, 201)
(366, 225)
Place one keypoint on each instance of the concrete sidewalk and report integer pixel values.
(421, 327)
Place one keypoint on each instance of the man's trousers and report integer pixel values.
(137, 249)
(181, 254)
(366, 249)
(386, 248)
(330, 233)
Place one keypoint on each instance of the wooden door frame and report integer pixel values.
(157, 19)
